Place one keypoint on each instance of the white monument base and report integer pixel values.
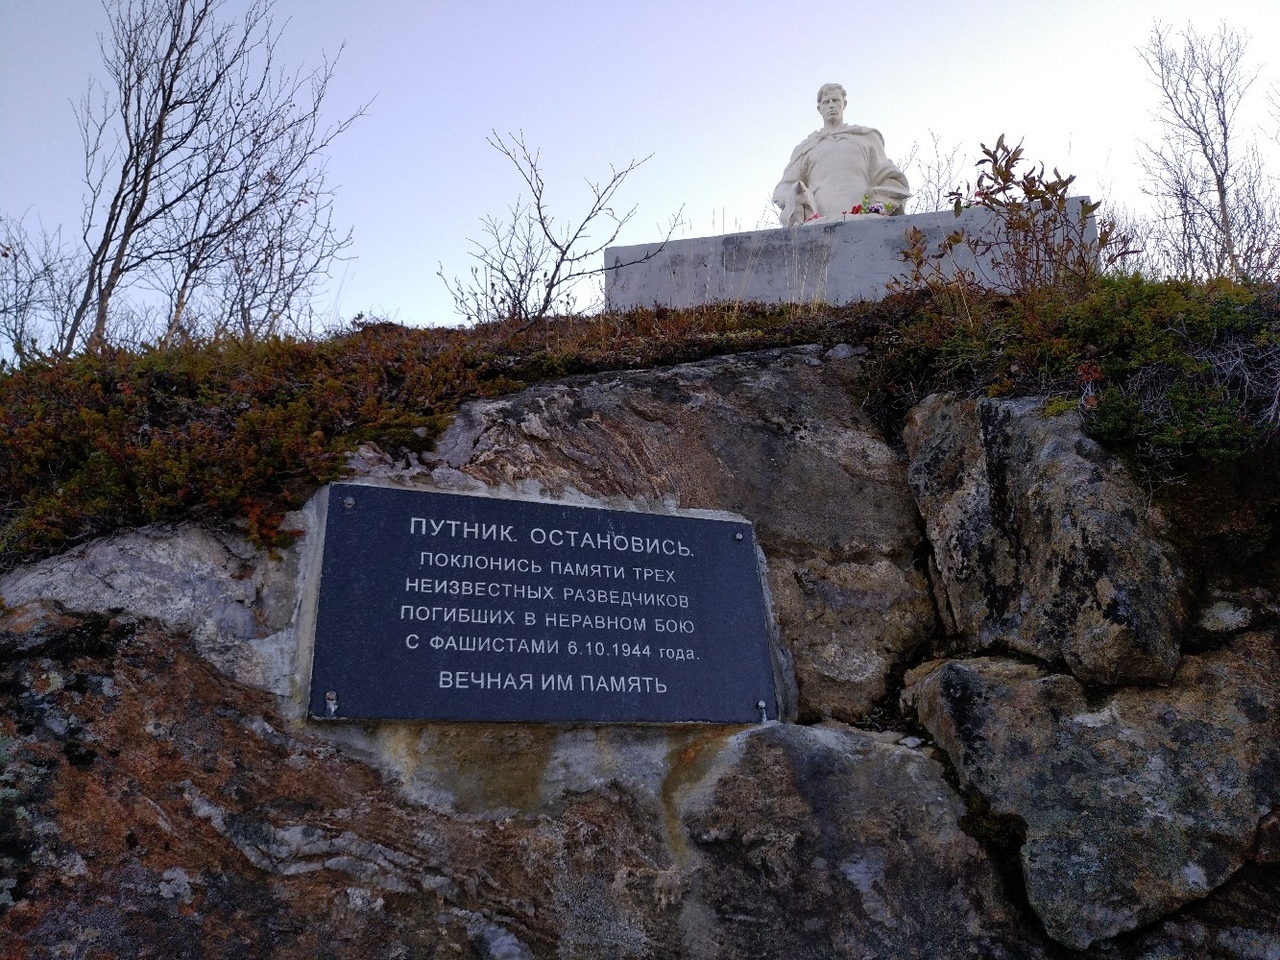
(824, 261)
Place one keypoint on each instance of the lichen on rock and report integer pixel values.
(1135, 803)
(1043, 543)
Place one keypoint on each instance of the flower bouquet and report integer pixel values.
(868, 206)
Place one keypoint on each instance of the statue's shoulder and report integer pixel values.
(861, 131)
(850, 130)
(805, 145)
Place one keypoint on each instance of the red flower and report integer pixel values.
(857, 208)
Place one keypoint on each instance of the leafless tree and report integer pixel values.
(37, 289)
(530, 266)
(1141, 255)
(933, 178)
(269, 284)
(1218, 210)
(205, 173)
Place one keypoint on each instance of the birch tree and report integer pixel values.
(206, 206)
(1218, 213)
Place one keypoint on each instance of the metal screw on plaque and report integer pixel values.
(737, 536)
(331, 703)
(349, 502)
(764, 714)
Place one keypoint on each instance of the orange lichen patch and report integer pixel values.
(34, 616)
(488, 766)
(689, 761)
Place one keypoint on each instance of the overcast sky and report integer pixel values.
(718, 92)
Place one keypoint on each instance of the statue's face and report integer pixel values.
(831, 106)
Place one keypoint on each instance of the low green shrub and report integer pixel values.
(1167, 369)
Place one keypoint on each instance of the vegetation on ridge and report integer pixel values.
(229, 432)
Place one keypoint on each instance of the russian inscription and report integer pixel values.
(449, 607)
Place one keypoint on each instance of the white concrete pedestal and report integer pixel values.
(825, 262)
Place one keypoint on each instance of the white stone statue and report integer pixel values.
(841, 168)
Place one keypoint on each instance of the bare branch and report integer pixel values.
(530, 265)
(935, 177)
(1217, 204)
(38, 277)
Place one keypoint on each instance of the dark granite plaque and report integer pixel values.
(446, 607)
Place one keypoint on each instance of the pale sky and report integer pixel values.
(718, 92)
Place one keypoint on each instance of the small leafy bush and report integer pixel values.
(1037, 237)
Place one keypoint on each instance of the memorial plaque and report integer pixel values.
(447, 607)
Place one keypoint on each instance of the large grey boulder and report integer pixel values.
(1044, 545)
(238, 604)
(1239, 922)
(828, 842)
(1134, 803)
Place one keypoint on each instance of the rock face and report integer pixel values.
(1043, 544)
(840, 843)
(237, 606)
(154, 803)
(1134, 803)
(776, 437)
(1029, 793)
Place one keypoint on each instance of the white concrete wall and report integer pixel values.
(826, 262)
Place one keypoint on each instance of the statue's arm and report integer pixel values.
(888, 182)
(791, 195)
(797, 171)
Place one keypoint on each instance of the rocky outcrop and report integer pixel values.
(1058, 777)
(1043, 544)
(154, 803)
(777, 437)
(238, 605)
(1134, 803)
(840, 843)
